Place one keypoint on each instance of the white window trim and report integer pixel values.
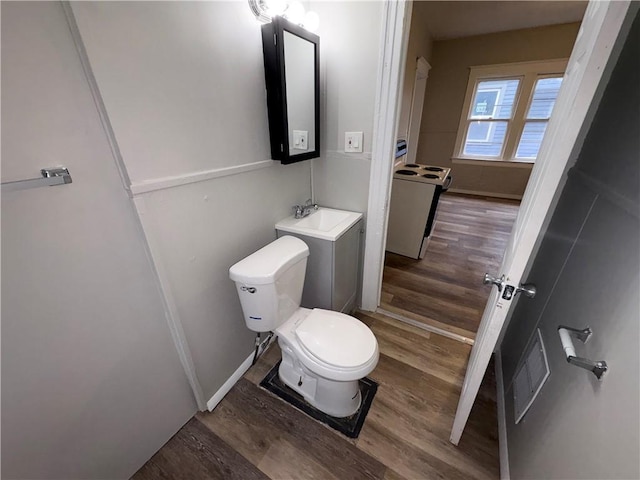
(528, 72)
(495, 162)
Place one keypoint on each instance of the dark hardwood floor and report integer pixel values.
(444, 289)
(254, 434)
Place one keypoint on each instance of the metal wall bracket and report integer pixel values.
(581, 334)
(598, 368)
(50, 177)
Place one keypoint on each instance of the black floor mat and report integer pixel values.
(349, 426)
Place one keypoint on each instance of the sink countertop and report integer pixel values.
(324, 223)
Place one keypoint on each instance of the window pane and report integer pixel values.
(494, 99)
(531, 139)
(485, 138)
(544, 97)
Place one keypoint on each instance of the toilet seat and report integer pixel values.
(316, 353)
(336, 339)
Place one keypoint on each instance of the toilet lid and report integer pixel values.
(336, 339)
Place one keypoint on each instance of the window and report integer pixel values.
(506, 110)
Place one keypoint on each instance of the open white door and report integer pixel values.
(601, 25)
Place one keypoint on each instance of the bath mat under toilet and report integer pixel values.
(349, 426)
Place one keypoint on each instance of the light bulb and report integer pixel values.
(295, 13)
(311, 21)
(275, 7)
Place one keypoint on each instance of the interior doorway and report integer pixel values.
(587, 71)
(441, 290)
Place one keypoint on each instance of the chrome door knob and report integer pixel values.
(498, 282)
(527, 289)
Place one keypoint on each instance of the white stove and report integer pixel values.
(415, 172)
(414, 200)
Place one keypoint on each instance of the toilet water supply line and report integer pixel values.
(261, 346)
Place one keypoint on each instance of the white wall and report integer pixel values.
(183, 83)
(349, 47)
(200, 230)
(446, 90)
(183, 86)
(92, 384)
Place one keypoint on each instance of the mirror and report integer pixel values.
(291, 61)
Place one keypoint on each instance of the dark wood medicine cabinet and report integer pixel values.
(292, 74)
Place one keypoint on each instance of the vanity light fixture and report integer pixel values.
(265, 10)
(311, 21)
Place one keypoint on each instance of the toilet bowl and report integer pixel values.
(324, 353)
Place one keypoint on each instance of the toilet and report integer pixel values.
(324, 353)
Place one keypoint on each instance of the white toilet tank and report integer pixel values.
(270, 281)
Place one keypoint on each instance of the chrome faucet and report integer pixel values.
(301, 211)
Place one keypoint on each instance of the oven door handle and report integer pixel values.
(447, 183)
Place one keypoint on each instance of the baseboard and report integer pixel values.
(233, 379)
(228, 385)
(509, 196)
(502, 420)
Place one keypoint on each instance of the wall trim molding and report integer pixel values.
(235, 376)
(486, 194)
(95, 93)
(178, 180)
(339, 155)
(231, 381)
(502, 420)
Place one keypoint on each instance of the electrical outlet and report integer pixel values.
(300, 139)
(353, 142)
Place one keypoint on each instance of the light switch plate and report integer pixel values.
(300, 139)
(353, 142)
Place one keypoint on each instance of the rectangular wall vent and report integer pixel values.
(529, 379)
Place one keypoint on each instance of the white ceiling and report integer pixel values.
(455, 19)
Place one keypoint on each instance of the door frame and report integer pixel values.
(602, 24)
(586, 76)
(415, 115)
(394, 39)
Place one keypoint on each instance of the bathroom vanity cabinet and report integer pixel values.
(331, 281)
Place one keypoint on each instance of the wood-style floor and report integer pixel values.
(253, 434)
(444, 289)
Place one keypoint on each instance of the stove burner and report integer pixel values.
(430, 175)
(433, 169)
(412, 165)
(406, 172)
